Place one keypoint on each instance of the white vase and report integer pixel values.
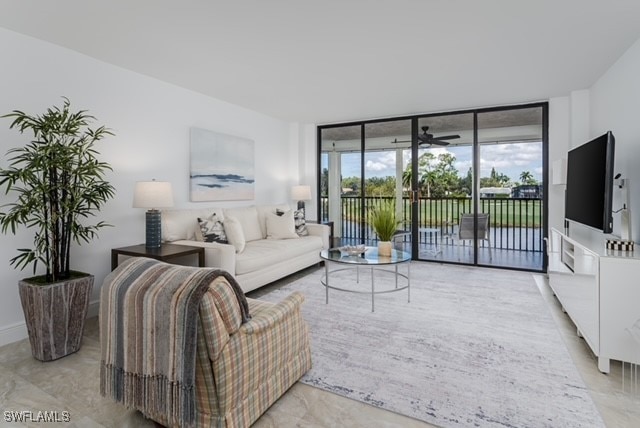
(384, 248)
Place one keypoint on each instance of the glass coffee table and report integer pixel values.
(369, 259)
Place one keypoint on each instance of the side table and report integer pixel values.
(164, 253)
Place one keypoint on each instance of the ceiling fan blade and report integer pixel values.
(448, 137)
(438, 142)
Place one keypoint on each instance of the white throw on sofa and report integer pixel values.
(263, 259)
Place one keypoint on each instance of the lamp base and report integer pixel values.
(301, 205)
(153, 229)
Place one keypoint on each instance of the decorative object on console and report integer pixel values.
(222, 167)
(212, 229)
(619, 245)
(59, 183)
(626, 233)
(153, 195)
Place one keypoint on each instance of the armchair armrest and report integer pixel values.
(321, 230)
(274, 315)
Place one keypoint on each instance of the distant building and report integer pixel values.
(495, 192)
(528, 191)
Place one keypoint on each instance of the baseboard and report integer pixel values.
(18, 331)
(13, 333)
(94, 309)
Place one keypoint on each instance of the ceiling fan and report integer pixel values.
(426, 138)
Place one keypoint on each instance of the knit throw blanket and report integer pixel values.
(148, 331)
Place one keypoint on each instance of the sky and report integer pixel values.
(508, 159)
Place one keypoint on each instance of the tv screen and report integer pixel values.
(590, 183)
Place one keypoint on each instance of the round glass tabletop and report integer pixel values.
(370, 257)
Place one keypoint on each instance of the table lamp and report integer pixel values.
(301, 194)
(153, 195)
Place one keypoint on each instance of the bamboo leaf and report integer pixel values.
(58, 181)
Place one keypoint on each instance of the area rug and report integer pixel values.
(474, 348)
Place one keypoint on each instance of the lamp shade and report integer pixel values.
(153, 194)
(301, 193)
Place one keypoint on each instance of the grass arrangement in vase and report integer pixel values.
(384, 223)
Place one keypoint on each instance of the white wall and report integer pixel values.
(151, 120)
(559, 137)
(615, 106)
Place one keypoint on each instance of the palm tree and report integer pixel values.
(406, 178)
(527, 178)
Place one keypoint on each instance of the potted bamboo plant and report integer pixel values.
(384, 223)
(59, 184)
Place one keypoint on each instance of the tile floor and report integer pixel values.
(72, 384)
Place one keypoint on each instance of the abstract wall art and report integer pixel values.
(222, 167)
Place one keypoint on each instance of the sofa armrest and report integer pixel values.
(221, 256)
(321, 230)
(268, 318)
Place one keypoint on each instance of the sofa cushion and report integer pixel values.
(266, 252)
(235, 235)
(248, 218)
(281, 226)
(263, 210)
(183, 224)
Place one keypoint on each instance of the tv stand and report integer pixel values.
(598, 289)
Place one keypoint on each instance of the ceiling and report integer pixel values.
(322, 61)
(450, 123)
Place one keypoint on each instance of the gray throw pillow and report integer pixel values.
(212, 229)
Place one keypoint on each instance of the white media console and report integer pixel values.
(600, 291)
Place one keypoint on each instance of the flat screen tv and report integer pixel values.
(590, 183)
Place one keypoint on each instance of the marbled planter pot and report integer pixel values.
(55, 316)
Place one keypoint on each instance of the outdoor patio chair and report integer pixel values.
(465, 231)
(400, 235)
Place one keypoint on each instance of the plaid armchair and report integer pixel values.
(242, 369)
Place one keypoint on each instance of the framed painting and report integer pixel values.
(222, 167)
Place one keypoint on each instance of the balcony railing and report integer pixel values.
(515, 223)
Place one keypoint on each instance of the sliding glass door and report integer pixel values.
(341, 182)
(387, 155)
(512, 187)
(444, 186)
(469, 186)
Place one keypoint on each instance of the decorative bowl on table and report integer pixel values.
(352, 250)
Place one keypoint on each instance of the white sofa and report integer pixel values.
(263, 260)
